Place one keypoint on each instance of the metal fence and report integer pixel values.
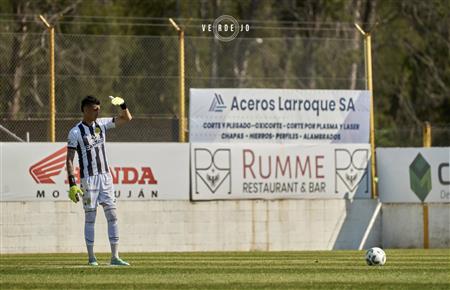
(144, 70)
(412, 136)
(141, 69)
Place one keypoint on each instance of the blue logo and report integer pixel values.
(217, 104)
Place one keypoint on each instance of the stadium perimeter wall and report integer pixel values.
(402, 225)
(238, 225)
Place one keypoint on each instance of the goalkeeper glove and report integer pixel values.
(74, 190)
(118, 101)
(73, 193)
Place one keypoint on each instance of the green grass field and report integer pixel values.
(404, 269)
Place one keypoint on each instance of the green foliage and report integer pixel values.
(412, 71)
(129, 48)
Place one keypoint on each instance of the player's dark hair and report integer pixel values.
(89, 100)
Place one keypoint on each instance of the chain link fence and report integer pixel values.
(412, 136)
(144, 70)
(141, 69)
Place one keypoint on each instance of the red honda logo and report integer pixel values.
(49, 166)
(54, 163)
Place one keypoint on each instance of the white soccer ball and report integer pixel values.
(375, 256)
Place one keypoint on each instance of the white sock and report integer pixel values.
(89, 224)
(113, 231)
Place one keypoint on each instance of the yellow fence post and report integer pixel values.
(369, 86)
(181, 97)
(427, 134)
(426, 231)
(52, 127)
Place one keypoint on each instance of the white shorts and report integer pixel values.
(97, 190)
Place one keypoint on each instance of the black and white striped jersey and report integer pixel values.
(89, 141)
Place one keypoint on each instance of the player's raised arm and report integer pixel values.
(125, 115)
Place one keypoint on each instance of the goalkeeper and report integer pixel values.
(87, 139)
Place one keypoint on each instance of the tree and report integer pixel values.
(23, 48)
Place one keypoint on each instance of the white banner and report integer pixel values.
(413, 175)
(279, 116)
(140, 171)
(273, 171)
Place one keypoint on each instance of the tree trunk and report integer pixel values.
(356, 44)
(242, 49)
(16, 61)
(311, 47)
(214, 51)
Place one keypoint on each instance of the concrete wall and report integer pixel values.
(244, 225)
(403, 225)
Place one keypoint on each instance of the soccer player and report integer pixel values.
(87, 139)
